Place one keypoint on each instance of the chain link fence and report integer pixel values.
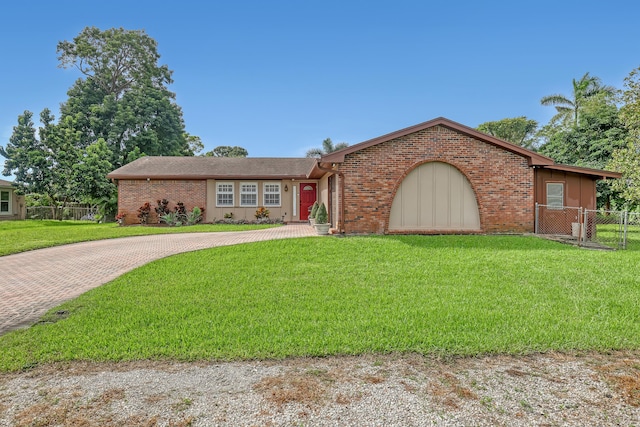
(615, 229)
(606, 227)
(558, 221)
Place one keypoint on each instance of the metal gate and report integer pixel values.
(615, 229)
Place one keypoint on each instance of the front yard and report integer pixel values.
(444, 295)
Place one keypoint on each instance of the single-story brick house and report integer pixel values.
(435, 177)
(12, 205)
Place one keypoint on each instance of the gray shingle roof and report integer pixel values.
(4, 183)
(216, 168)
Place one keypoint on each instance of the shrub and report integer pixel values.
(171, 219)
(143, 213)
(162, 208)
(321, 215)
(181, 212)
(314, 210)
(120, 218)
(195, 216)
(261, 213)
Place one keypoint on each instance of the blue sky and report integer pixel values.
(277, 77)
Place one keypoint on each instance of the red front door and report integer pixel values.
(307, 197)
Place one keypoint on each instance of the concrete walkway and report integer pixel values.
(33, 282)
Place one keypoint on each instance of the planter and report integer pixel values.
(322, 229)
(312, 221)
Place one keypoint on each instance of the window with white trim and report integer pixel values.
(224, 194)
(555, 195)
(248, 194)
(271, 194)
(5, 202)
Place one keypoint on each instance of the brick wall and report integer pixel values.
(502, 181)
(134, 193)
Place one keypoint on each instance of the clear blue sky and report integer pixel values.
(277, 77)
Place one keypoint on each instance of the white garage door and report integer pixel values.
(435, 196)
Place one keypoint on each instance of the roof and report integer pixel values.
(4, 183)
(533, 158)
(596, 173)
(218, 168)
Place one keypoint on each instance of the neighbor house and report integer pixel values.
(434, 177)
(12, 205)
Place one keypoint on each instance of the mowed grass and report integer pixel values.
(447, 295)
(20, 236)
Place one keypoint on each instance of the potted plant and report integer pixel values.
(322, 221)
(313, 213)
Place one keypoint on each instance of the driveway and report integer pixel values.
(33, 282)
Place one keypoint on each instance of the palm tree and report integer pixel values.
(327, 147)
(569, 109)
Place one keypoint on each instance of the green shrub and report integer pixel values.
(321, 215)
(171, 219)
(314, 210)
(194, 217)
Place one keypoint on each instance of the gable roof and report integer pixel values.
(160, 167)
(533, 158)
(4, 183)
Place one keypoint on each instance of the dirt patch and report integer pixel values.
(292, 388)
(624, 376)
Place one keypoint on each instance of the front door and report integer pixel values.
(307, 198)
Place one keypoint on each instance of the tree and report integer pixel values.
(195, 144)
(327, 147)
(599, 133)
(569, 108)
(44, 164)
(121, 104)
(227, 151)
(627, 159)
(124, 98)
(116, 60)
(518, 130)
(23, 149)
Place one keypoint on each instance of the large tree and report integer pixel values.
(627, 159)
(327, 147)
(517, 130)
(124, 97)
(120, 109)
(591, 143)
(568, 108)
(44, 164)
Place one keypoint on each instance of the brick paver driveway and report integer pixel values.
(33, 282)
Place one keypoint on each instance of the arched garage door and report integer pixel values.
(434, 196)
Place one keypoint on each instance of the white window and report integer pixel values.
(224, 194)
(271, 194)
(5, 202)
(555, 195)
(248, 194)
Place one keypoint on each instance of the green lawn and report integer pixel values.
(451, 295)
(20, 236)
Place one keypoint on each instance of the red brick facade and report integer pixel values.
(503, 181)
(134, 193)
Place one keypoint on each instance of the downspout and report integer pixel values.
(341, 201)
